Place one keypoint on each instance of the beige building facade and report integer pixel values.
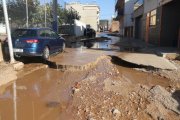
(89, 13)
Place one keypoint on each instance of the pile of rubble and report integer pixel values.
(105, 94)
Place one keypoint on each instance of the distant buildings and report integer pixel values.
(114, 26)
(154, 21)
(89, 13)
(104, 25)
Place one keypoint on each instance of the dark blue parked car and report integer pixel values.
(36, 42)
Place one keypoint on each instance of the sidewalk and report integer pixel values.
(135, 45)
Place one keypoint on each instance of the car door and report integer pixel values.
(43, 40)
(52, 40)
(57, 39)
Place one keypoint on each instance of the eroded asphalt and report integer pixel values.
(104, 88)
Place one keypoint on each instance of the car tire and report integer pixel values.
(46, 53)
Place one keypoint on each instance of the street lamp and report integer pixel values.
(8, 32)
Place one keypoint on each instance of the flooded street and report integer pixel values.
(89, 60)
(42, 95)
(99, 45)
(46, 94)
(92, 93)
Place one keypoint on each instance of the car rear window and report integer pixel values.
(24, 33)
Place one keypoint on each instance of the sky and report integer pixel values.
(106, 6)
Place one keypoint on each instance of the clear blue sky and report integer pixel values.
(106, 6)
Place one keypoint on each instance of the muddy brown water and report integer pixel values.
(46, 93)
(138, 77)
(41, 95)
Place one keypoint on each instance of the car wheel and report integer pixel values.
(46, 53)
(17, 57)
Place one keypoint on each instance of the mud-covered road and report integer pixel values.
(107, 89)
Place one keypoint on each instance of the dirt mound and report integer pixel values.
(105, 94)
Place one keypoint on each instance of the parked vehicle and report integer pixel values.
(36, 42)
(89, 32)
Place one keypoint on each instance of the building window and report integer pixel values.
(153, 18)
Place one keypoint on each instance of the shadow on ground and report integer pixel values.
(117, 61)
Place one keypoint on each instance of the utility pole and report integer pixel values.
(8, 32)
(27, 14)
(55, 19)
(45, 12)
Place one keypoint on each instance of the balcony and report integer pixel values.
(119, 8)
(119, 4)
(138, 4)
(138, 8)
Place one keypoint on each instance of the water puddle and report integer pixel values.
(42, 95)
(106, 44)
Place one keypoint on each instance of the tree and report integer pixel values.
(68, 16)
(17, 13)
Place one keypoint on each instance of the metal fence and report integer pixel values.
(30, 13)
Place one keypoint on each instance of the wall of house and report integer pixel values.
(91, 16)
(162, 2)
(128, 12)
(153, 4)
(165, 32)
(139, 23)
(89, 13)
(150, 5)
(170, 24)
(154, 31)
(128, 18)
(138, 27)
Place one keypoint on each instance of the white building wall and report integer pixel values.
(91, 16)
(89, 13)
